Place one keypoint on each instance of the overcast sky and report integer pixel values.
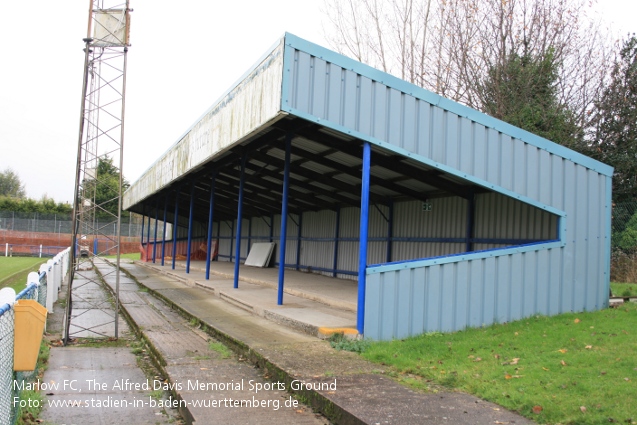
(184, 55)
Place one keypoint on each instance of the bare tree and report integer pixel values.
(449, 46)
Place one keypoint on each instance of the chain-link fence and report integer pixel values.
(62, 223)
(7, 412)
(50, 277)
(8, 378)
(624, 243)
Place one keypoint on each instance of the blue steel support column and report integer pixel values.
(190, 214)
(471, 211)
(210, 223)
(163, 234)
(338, 233)
(362, 245)
(298, 242)
(175, 223)
(284, 218)
(155, 238)
(390, 231)
(237, 256)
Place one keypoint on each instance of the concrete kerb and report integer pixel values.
(313, 398)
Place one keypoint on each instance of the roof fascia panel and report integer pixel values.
(294, 42)
(427, 161)
(249, 106)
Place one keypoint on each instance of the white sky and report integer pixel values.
(184, 55)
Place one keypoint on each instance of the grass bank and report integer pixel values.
(14, 270)
(567, 369)
(619, 289)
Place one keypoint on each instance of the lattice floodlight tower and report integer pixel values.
(98, 178)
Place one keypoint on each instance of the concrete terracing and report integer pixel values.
(312, 303)
(363, 392)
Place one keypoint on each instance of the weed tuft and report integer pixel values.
(339, 342)
(221, 349)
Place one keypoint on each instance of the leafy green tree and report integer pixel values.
(105, 188)
(523, 92)
(615, 123)
(28, 205)
(11, 185)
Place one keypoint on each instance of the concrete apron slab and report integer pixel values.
(88, 386)
(302, 312)
(362, 393)
(335, 292)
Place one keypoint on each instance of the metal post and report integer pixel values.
(362, 245)
(77, 192)
(471, 211)
(121, 181)
(148, 235)
(249, 233)
(237, 256)
(298, 241)
(284, 218)
(338, 232)
(390, 231)
(141, 241)
(231, 240)
(175, 222)
(190, 217)
(163, 233)
(210, 223)
(155, 236)
(271, 227)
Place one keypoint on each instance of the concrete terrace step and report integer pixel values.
(258, 296)
(338, 293)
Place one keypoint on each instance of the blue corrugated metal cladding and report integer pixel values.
(538, 190)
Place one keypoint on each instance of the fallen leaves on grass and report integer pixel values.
(562, 350)
(563, 363)
(577, 320)
(508, 376)
(582, 409)
(537, 409)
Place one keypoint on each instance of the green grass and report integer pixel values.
(339, 342)
(129, 256)
(578, 368)
(14, 270)
(623, 289)
(221, 349)
(35, 402)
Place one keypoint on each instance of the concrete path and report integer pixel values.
(85, 385)
(89, 388)
(210, 384)
(341, 385)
